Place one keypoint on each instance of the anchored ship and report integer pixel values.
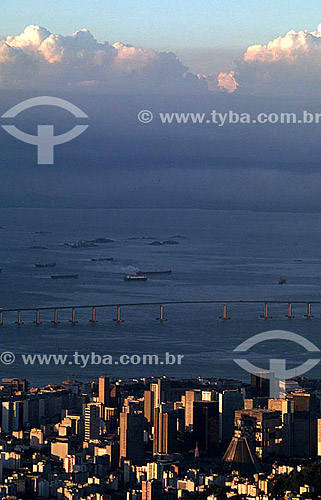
(45, 264)
(154, 271)
(64, 276)
(134, 278)
(102, 259)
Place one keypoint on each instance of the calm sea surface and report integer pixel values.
(223, 256)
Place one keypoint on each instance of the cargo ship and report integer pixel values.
(281, 281)
(45, 264)
(64, 276)
(102, 259)
(134, 278)
(154, 271)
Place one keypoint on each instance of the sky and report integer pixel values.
(164, 56)
(159, 24)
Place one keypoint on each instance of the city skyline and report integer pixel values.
(207, 437)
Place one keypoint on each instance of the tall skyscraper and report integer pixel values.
(206, 426)
(286, 407)
(165, 431)
(110, 417)
(319, 437)
(149, 406)
(190, 397)
(229, 401)
(163, 390)
(103, 391)
(92, 421)
(18, 414)
(154, 389)
(115, 396)
(7, 416)
(260, 385)
(151, 490)
(305, 424)
(131, 435)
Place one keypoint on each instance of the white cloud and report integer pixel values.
(39, 59)
(287, 65)
(30, 40)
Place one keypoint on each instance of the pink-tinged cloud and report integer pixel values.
(227, 82)
(37, 58)
(287, 65)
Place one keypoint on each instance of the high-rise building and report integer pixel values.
(18, 411)
(229, 402)
(115, 395)
(163, 391)
(208, 395)
(15, 385)
(206, 426)
(154, 470)
(36, 438)
(92, 421)
(250, 403)
(131, 435)
(149, 406)
(112, 449)
(262, 428)
(190, 397)
(319, 437)
(261, 384)
(69, 461)
(110, 417)
(165, 431)
(154, 389)
(60, 448)
(285, 406)
(305, 424)
(7, 416)
(151, 490)
(103, 391)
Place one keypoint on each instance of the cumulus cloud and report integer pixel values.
(227, 82)
(287, 65)
(38, 58)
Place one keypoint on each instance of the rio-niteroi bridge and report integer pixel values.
(53, 314)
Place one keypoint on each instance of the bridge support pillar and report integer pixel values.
(19, 321)
(161, 314)
(290, 315)
(73, 316)
(55, 320)
(224, 316)
(93, 316)
(308, 314)
(37, 322)
(266, 311)
(118, 317)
